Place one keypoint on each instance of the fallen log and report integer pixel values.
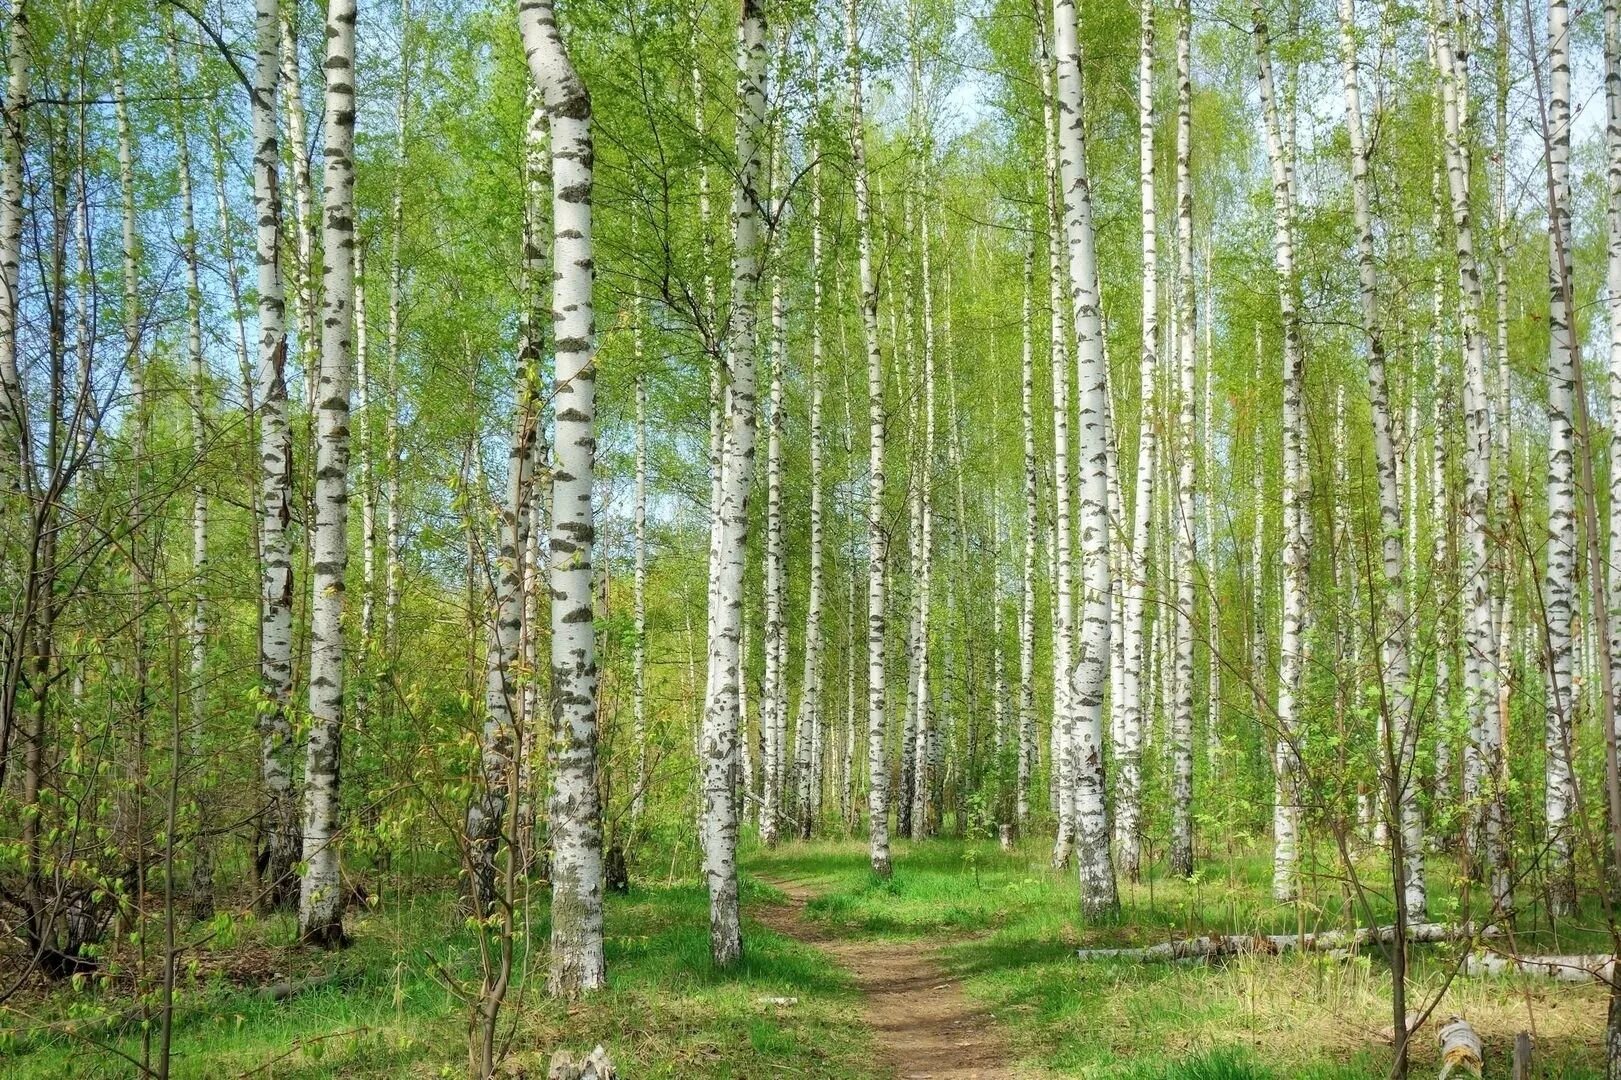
(1212, 946)
(1461, 1048)
(1573, 968)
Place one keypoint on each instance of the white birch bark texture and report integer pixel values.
(1395, 704)
(810, 687)
(1091, 673)
(1129, 754)
(575, 814)
(774, 690)
(279, 840)
(1184, 540)
(320, 912)
(393, 571)
(1560, 583)
(202, 864)
(303, 206)
(1612, 176)
(723, 718)
(1480, 674)
(928, 776)
(639, 583)
(1286, 814)
(14, 419)
(1027, 574)
(877, 537)
(1063, 598)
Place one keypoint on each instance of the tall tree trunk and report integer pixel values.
(1612, 159)
(576, 815)
(877, 535)
(1027, 574)
(13, 422)
(320, 912)
(1185, 537)
(1296, 550)
(774, 692)
(1560, 582)
(279, 837)
(1129, 754)
(1400, 768)
(723, 719)
(1480, 674)
(1091, 672)
(639, 582)
(202, 858)
(1064, 760)
(393, 571)
(810, 688)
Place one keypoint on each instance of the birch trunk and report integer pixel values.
(639, 584)
(1395, 704)
(1027, 575)
(202, 857)
(810, 687)
(774, 692)
(723, 720)
(1064, 760)
(1091, 673)
(575, 815)
(1560, 581)
(1612, 160)
(1129, 753)
(1480, 675)
(278, 836)
(877, 537)
(925, 802)
(392, 568)
(1286, 813)
(320, 912)
(13, 422)
(1184, 540)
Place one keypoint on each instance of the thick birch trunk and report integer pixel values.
(13, 419)
(575, 814)
(1027, 575)
(1184, 538)
(723, 718)
(1091, 672)
(279, 838)
(320, 912)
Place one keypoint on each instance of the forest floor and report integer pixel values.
(962, 964)
(925, 1027)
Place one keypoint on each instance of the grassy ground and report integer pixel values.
(1013, 930)
(1010, 929)
(667, 1013)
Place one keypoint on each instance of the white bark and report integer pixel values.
(1027, 575)
(1129, 753)
(774, 691)
(877, 537)
(14, 418)
(1184, 540)
(1091, 673)
(1064, 760)
(1286, 813)
(279, 843)
(1395, 701)
(202, 866)
(1559, 590)
(723, 719)
(925, 801)
(1480, 674)
(575, 817)
(810, 687)
(393, 571)
(320, 912)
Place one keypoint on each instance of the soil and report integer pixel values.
(923, 1025)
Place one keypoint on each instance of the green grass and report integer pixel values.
(667, 1011)
(1010, 927)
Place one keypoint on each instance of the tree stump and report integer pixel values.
(1004, 836)
(615, 871)
(593, 1066)
(1461, 1050)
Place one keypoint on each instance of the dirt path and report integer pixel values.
(923, 1023)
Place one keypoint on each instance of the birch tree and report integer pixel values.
(1184, 538)
(723, 718)
(1092, 856)
(575, 814)
(320, 910)
(279, 837)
